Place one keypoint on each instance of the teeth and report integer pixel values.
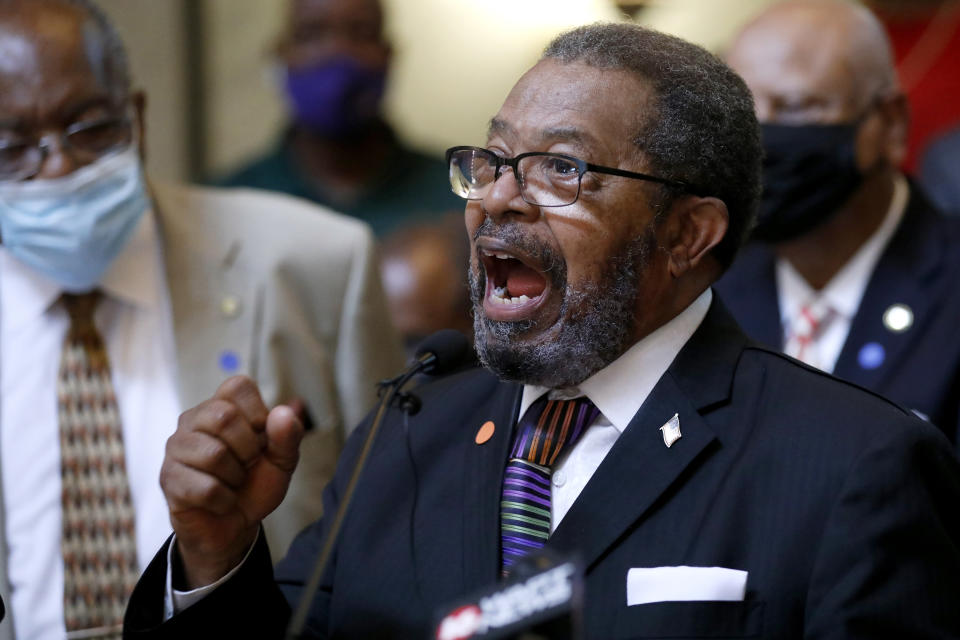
(497, 254)
(499, 295)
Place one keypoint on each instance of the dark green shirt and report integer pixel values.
(411, 187)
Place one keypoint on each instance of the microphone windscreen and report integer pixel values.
(450, 349)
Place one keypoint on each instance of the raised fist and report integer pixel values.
(226, 468)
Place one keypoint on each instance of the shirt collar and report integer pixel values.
(25, 295)
(620, 388)
(845, 290)
(134, 277)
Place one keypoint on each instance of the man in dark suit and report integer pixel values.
(853, 270)
(939, 171)
(710, 486)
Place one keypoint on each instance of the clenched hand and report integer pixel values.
(226, 468)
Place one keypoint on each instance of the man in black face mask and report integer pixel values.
(852, 270)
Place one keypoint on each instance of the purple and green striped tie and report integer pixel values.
(546, 428)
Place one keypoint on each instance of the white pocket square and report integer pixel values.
(672, 584)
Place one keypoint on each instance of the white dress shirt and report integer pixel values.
(844, 291)
(618, 390)
(135, 320)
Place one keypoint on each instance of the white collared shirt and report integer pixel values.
(135, 320)
(618, 390)
(844, 291)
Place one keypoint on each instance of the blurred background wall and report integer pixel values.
(207, 71)
(153, 33)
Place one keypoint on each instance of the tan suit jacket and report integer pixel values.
(289, 292)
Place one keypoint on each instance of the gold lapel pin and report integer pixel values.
(230, 305)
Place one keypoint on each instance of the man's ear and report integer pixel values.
(139, 100)
(896, 115)
(697, 226)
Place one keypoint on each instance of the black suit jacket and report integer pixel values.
(841, 507)
(919, 268)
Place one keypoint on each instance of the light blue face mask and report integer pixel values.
(71, 229)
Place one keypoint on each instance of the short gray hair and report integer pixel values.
(703, 130)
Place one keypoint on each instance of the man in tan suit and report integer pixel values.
(182, 288)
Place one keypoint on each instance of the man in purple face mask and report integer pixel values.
(337, 150)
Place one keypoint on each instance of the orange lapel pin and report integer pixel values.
(485, 432)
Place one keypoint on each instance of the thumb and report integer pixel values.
(284, 432)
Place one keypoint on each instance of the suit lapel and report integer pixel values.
(904, 275)
(483, 477)
(634, 475)
(640, 469)
(216, 305)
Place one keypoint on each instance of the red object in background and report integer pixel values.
(927, 52)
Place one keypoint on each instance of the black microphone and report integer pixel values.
(441, 352)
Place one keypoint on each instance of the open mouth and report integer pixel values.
(514, 286)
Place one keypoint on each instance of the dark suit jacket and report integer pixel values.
(919, 268)
(940, 171)
(841, 506)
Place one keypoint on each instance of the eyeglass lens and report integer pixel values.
(21, 158)
(545, 180)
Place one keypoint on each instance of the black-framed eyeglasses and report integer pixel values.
(545, 179)
(22, 157)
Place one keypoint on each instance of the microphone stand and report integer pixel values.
(390, 390)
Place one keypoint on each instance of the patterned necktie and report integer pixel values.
(806, 327)
(546, 428)
(98, 543)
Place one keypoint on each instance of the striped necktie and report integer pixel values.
(98, 543)
(546, 428)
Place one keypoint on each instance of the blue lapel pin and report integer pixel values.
(229, 361)
(871, 356)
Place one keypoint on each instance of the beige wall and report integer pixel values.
(243, 113)
(153, 34)
(455, 61)
(709, 23)
(458, 59)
